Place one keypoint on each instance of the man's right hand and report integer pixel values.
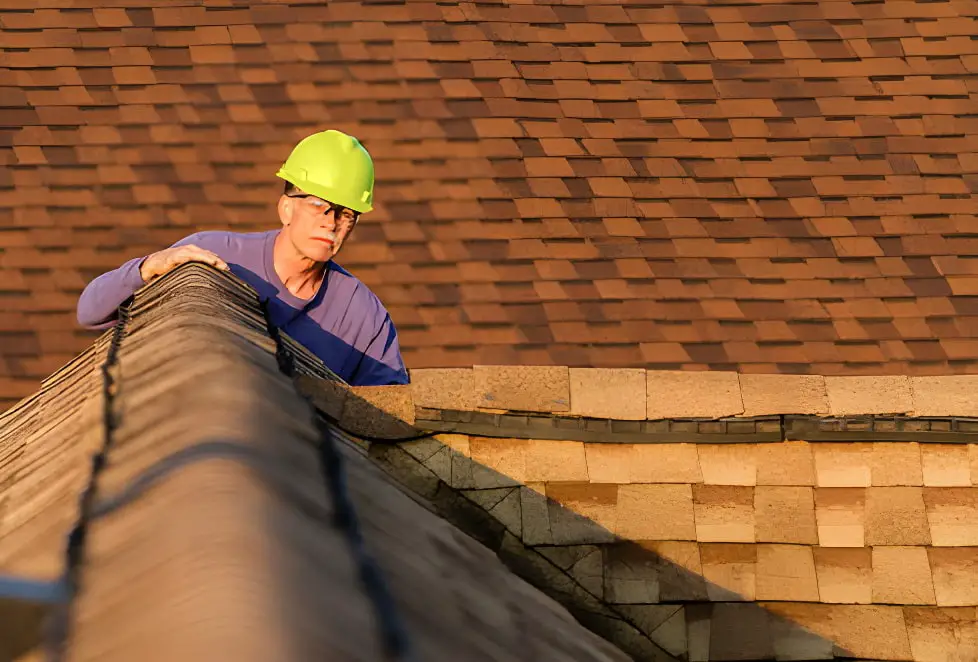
(168, 259)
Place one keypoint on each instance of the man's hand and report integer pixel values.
(168, 259)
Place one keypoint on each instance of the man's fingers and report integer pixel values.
(219, 263)
(216, 261)
(164, 261)
(195, 254)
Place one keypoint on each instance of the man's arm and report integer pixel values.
(100, 300)
(381, 364)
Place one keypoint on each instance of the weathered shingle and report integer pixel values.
(217, 513)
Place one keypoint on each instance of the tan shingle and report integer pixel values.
(896, 516)
(945, 465)
(379, 410)
(582, 513)
(555, 461)
(680, 570)
(973, 460)
(869, 395)
(656, 512)
(609, 463)
(896, 463)
(730, 571)
(951, 513)
(941, 634)
(522, 388)
(902, 575)
(499, 462)
(786, 572)
(862, 631)
(728, 464)
(450, 388)
(788, 463)
(701, 395)
(608, 393)
(785, 514)
(843, 464)
(944, 396)
(724, 513)
(769, 394)
(844, 575)
(955, 574)
(841, 516)
(665, 463)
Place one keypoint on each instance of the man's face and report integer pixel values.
(316, 227)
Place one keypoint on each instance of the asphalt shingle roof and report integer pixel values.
(767, 187)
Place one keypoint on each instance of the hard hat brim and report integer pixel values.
(323, 192)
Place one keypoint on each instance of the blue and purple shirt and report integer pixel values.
(344, 324)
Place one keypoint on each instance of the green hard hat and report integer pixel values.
(333, 166)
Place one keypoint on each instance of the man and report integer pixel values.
(329, 182)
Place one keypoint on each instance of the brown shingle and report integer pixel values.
(766, 132)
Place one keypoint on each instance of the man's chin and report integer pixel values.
(322, 251)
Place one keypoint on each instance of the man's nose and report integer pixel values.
(329, 216)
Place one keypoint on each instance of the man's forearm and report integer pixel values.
(100, 300)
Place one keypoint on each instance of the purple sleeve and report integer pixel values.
(101, 298)
(382, 364)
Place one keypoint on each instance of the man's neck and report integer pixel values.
(300, 275)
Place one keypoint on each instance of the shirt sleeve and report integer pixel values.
(99, 302)
(381, 364)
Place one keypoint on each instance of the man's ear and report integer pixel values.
(286, 208)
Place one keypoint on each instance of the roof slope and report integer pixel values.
(770, 187)
(217, 520)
